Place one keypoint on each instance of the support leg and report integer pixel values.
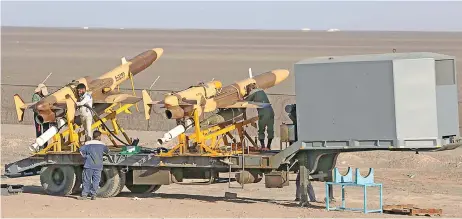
(365, 199)
(327, 195)
(310, 190)
(304, 180)
(381, 204)
(330, 177)
(297, 187)
(331, 193)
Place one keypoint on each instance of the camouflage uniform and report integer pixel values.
(38, 128)
(293, 114)
(266, 116)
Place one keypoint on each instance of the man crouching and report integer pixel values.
(92, 153)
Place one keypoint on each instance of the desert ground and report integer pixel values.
(428, 180)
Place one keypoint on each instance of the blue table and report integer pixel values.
(365, 185)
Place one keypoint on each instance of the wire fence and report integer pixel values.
(135, 121)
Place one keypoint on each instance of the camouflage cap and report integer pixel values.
(42, 88)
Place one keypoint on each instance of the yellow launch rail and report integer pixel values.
(69, 139)
(213, 141)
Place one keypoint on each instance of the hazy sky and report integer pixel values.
(421, 16)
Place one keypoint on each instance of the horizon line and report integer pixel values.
(332, 30)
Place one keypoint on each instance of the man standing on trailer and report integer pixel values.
(85, 102)
(265, 115)
(92, 153)
(292, 111)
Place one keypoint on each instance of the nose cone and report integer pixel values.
(144, 60)
(281, 75)
(158, 51)
(268, 79)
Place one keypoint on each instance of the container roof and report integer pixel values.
(374, 57)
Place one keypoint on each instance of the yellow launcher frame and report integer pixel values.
(58, 143)
(200, 138)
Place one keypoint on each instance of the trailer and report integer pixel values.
(394, 102)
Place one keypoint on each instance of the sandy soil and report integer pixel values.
(425, 179)
(199, 54)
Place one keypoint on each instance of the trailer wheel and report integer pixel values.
(143, 189)
(78, 180)
(109, 184)
(248, 177)
(121, 185)
(139, 189)
(58, 179)
(257, 180)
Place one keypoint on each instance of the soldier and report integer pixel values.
(265, 115)
(292, 111)
(40, 92)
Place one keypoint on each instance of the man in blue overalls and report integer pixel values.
(92, 153)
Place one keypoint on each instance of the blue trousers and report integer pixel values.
(90, 181)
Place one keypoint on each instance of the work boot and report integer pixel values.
(269, 143)
(93, 197)
(82, 198)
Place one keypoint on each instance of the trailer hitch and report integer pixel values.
(11, 189)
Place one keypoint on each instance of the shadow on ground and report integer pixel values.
(205, 198)
(38, 190)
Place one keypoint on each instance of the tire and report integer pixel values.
(139, 189)
(121, 185)
(58, 179)
(110, 181)
(78, 180)
(257, 180)
(248, 177)
(143, 189)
